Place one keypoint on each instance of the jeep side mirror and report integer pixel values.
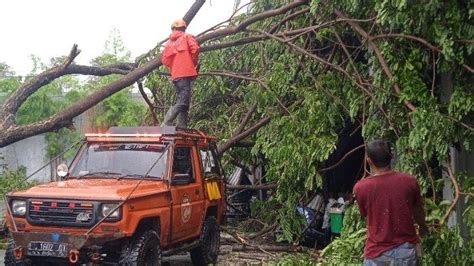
(62, 170)
(181, 179)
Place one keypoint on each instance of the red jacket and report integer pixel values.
(181, 55)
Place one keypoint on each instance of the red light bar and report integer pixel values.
(123, 135)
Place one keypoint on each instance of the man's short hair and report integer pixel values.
(379, 152)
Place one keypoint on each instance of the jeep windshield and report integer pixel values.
(120, 160)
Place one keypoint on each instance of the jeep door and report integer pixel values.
(187, 194)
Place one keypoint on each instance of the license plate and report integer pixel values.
(47, 249)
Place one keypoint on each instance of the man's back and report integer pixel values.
(388, 202)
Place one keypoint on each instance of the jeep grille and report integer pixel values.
(61, 213)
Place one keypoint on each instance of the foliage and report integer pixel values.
(8, 81)
(258, 210)
(348, 248)
(319, 98)
(297, 259)
(11, 178)
(119, 109)
(309, 101)
(445, 247)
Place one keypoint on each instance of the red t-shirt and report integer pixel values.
(388, 202)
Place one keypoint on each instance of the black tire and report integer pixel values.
(143, 250)
(10, 258)
(208, 250)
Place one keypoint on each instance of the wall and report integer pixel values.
(31, 153)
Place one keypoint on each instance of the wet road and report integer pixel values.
(179, 260)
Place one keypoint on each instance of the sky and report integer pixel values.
(49, 28)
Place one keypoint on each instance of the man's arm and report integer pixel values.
(165, 60)
(193, 49)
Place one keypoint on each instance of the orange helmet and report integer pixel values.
(179, 24)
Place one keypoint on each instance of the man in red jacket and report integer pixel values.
(181, 55)
(391, 202)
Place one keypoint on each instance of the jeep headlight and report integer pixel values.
(19, 207)
(112, 209)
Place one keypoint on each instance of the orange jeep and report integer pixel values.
(129, 196)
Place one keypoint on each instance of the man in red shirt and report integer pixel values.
(181, 55)
(392, 204)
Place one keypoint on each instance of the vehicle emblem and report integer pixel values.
(83, 217)
(55, 237)
(186, 208)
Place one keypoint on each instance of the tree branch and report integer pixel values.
(245, 119)
(18, 97)
(226, 145)
(342, 159)
(456, 194)
(249, 21)
(379, 56)
(417, 39)
(149, 103)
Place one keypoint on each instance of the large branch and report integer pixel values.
(13, 103)
(226, 145)
(15, 133)
(18, 97)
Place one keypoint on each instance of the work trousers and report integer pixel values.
(183, 88)
(402, 255)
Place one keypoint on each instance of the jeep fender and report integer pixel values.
(139, 219)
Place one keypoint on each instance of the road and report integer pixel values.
(178, 260)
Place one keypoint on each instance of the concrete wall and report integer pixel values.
(31, 153)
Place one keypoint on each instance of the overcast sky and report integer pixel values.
(49, 28)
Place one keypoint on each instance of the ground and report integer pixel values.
(225, 258)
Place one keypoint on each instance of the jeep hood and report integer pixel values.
(93, 189)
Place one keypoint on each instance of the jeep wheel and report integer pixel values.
(144, 249)
(206, 253)
(10, 258)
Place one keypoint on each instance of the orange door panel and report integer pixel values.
(188, 198)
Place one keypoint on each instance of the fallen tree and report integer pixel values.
(12, 132)
(286, 76)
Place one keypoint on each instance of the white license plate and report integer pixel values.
(47, 249)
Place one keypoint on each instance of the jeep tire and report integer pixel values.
(206, 253)
(143, 249)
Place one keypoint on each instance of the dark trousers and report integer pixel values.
(183, 88)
